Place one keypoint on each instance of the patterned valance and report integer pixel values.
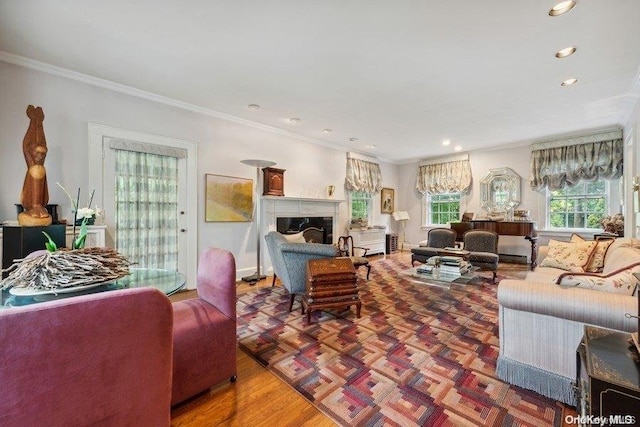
(363, 174)
(444, 175)
(556, 166)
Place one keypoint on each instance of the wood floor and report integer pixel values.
(258, 397)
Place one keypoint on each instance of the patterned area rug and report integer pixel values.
(418, 356)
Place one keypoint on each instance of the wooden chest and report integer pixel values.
(331, 283)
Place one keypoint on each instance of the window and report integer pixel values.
(442, 208)
(360, 205)
(582, 206)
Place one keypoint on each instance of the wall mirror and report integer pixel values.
(500, 191)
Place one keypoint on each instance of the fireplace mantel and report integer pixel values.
(274, 207)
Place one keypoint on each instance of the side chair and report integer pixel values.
(437, 239)
(483, 249)
(347, 249)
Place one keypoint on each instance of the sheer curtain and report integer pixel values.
(444, 175)
(558, 164)
(363, 174)
(146, 191)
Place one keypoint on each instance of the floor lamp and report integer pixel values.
(403, 217)
(257, 164)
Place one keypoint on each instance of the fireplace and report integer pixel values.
(292, 225)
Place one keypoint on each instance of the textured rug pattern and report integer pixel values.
(419, 355)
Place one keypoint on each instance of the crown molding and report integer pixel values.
(138, 93)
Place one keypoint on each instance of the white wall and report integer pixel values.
(70, 105)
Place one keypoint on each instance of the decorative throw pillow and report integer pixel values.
(623, 282)
(295, 238)
(570, 256)
(597, 257)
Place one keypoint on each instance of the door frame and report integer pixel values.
(97, 134)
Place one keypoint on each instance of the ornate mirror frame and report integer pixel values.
(500, 191)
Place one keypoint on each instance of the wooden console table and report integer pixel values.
(527, 229)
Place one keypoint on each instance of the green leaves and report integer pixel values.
(50, 245)
(79, 242)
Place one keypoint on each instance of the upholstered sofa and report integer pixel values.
(101, 359)
(541, 322)
(120, 357)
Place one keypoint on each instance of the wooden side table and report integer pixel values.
(608, 380)
(331, 283)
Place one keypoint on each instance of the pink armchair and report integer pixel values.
(100, 359)
(204, 332)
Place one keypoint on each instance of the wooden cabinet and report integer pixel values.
(608, 376)
(16, 240)
(392, 243)
(273, 180)
(372, 238)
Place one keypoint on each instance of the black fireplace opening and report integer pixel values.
(293, 225)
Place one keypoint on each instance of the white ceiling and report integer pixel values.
(400, 75)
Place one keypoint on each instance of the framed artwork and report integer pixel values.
(228, 199)
(387, 200)
(467, 216)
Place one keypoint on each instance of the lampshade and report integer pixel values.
(401, 215)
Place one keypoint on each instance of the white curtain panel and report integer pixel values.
(557, 167)
(363, 174)
(445, 175)
(146, 208)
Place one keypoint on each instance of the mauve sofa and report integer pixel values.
(101, 360)
(118, 358)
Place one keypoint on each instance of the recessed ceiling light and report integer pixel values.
(457, 148)
(294, 120)
(326, 131)
(253, 106)
(563, 53)
(569, 82)
(446, 142)
(562, 7)
(372, 146)
(353, 139)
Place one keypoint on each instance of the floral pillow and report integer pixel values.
(570, 256)
(623, 282)
(596, 263)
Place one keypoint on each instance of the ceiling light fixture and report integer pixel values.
(457, 148)
(253, 106)
(562, 7)
(326, 131)
(563, 53)
(294, 120)
(372, 146)
(569, 82)
(353, 139)
(446, 142)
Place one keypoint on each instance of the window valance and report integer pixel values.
(363, 174)
(557, 165)
(444, 175)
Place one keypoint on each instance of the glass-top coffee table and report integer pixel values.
(167, 281)
(441, 280)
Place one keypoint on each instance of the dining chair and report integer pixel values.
(346, 248)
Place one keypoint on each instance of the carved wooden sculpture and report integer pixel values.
(35, 192)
